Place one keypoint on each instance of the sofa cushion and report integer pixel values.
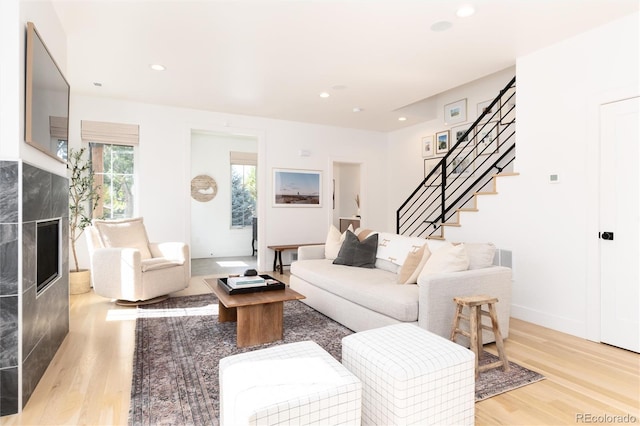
(124, 233)
(358, 253)
(373, 289)
(413, 265)
(448, 258)
(395, 248)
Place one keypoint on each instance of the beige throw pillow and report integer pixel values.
(413, 265)
(363, 233)
(448, 258)
(333, 243)
(480, 254)
(127, 233)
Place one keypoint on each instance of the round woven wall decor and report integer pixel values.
(203, 188)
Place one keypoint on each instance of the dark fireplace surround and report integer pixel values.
(45, 314)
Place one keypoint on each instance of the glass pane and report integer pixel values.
(123, 160)
(117, 181)
(243, 195)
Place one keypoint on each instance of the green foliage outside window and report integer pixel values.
(117, 174)
(243, 195)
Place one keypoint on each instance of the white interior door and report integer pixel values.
(619, 219)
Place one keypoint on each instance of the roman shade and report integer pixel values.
(110, 133)
(243, 158)
(58, 127)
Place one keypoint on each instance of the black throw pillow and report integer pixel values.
(358, 253)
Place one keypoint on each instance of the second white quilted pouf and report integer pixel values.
(296, 383)
(411, 376)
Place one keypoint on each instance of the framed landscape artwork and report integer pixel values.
(442, 142)
(456, 112)
(428, 150)
(297, 188)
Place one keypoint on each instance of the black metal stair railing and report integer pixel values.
(485, 149)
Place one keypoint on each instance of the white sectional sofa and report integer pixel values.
(366, 298)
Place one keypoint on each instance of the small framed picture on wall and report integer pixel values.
(484, 107)
(487, 139)
(428, 150)
(442, 142)
(435, 178)
(455, 112)
(457, 134)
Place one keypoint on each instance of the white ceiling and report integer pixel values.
(273, 58)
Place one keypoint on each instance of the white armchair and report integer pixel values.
(127, 267)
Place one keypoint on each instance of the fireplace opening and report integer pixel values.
(47, 253)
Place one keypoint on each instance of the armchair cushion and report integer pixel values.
(158, 263)
(125, 233)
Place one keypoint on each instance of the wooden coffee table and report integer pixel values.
(258, 315)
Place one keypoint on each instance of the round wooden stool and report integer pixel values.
(474, 303)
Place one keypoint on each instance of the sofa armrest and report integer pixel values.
(436, 292)
(311, 252)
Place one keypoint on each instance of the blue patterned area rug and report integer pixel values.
(179, 343)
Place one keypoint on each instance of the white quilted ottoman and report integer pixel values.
(411, 376)
(297, 383)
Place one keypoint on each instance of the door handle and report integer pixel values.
(606, 235)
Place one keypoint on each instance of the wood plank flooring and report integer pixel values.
(89, 380)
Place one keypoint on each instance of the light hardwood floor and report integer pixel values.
(89, 380)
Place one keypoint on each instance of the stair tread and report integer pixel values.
(506, 174)
(451, 224)
(486, 193)
(435, 237)
(469, 209)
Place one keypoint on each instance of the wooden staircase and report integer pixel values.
(474, 208)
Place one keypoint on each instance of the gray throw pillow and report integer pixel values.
(358, 253)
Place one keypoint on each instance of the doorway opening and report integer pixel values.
(224, 226)
(348, 205)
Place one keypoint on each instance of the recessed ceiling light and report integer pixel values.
(97, 84)
(157, 67)
(402, 118)
(441, 26)
(324, 95)
(465, 11)
(357, 109)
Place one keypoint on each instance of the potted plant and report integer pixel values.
(83, 199)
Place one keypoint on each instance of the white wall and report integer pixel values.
(211, 231)
(10, 93)
(552, 228)
(165, 161)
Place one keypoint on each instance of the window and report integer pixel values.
(112, 154)
(243, 189)
(113, 166)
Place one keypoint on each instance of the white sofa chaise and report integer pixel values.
(363, 298)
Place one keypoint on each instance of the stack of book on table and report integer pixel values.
(253, 284)
(246, 282)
